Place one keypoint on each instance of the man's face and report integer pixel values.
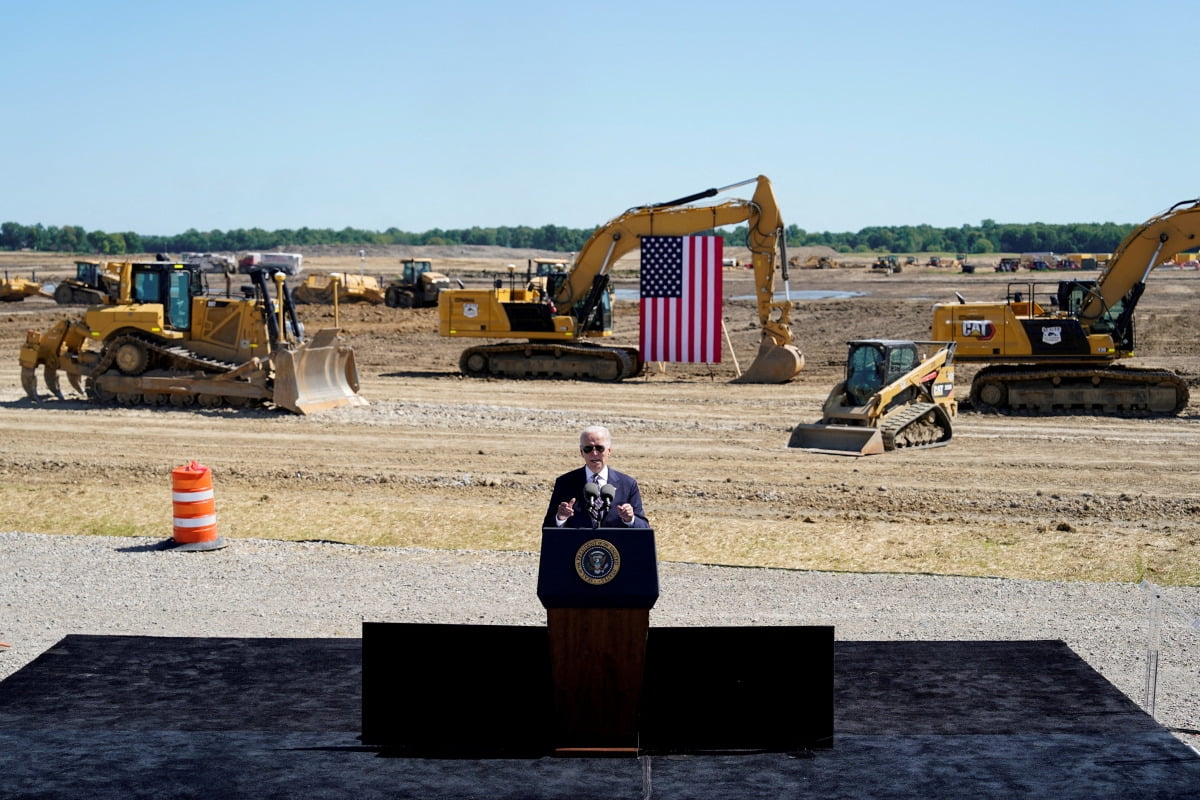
(598, 457)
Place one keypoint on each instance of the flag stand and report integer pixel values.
(729, 344)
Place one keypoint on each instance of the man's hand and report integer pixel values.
(566, 510)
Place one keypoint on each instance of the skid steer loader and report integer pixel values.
(167, 340)
(896, 394)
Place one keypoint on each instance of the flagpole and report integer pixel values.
(729, 344)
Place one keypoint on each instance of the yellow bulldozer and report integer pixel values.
(168, 340)
(895, 394)
(95, 283)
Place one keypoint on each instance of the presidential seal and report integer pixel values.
(597, 562)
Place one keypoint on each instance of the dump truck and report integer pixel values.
(895, 394)
(168, 340)
(321, 289)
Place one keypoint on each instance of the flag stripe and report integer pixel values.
(680, 311)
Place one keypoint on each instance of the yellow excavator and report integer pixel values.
(895, 394)
(168, 340)
(1052, 347)
(556, 317)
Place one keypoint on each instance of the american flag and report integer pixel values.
(681, 299)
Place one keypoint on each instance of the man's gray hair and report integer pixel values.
(597, 430)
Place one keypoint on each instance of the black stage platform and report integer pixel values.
(131, 716)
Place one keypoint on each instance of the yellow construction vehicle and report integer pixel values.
(889, 264)
(95, 282)
(168, 340)
(321, 289)
(813, 262)
(1053, 346)
(14, 290)
(579, 306)
(896, 394)
(417, 286)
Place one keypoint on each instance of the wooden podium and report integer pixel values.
(598, 586)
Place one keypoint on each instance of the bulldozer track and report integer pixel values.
(915, 426)
(535, 360)
(163, 361)
(1079, 390)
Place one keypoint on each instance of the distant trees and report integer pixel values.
(987, 237)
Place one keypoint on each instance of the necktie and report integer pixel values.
(596, 479)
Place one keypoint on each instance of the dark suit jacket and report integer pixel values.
(571, 485)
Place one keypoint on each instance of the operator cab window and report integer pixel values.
(178, 307)
(147, 287)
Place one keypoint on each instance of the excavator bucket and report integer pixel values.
(842, 440)
(316, 376)
(774, 363)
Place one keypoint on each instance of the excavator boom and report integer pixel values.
(555, 326)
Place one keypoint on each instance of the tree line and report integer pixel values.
(987, 237)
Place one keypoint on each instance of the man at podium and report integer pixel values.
(595, 496)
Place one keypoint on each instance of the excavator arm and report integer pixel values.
(1147, 246)
(777, 361)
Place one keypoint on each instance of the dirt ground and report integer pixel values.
(441, 461)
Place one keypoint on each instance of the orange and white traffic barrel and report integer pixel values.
(195, 508)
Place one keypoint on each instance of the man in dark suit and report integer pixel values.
(570, 507)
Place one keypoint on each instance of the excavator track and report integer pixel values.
(551, 360)
(1079, 390)
(111, 382)
(915, 426)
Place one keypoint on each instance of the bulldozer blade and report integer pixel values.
(842, 440)
(317, 376)
(774, 363)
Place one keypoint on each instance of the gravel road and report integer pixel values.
(51, 586)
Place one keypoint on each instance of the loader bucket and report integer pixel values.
(317, 376)
(842, 440)
(775, 363)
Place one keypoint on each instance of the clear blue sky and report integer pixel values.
(156, 117)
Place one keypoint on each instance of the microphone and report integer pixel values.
(593, 495)
(607, 493)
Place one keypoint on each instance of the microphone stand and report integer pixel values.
(607, 493)
(592, 492)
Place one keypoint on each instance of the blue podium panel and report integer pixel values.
(598, 568)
